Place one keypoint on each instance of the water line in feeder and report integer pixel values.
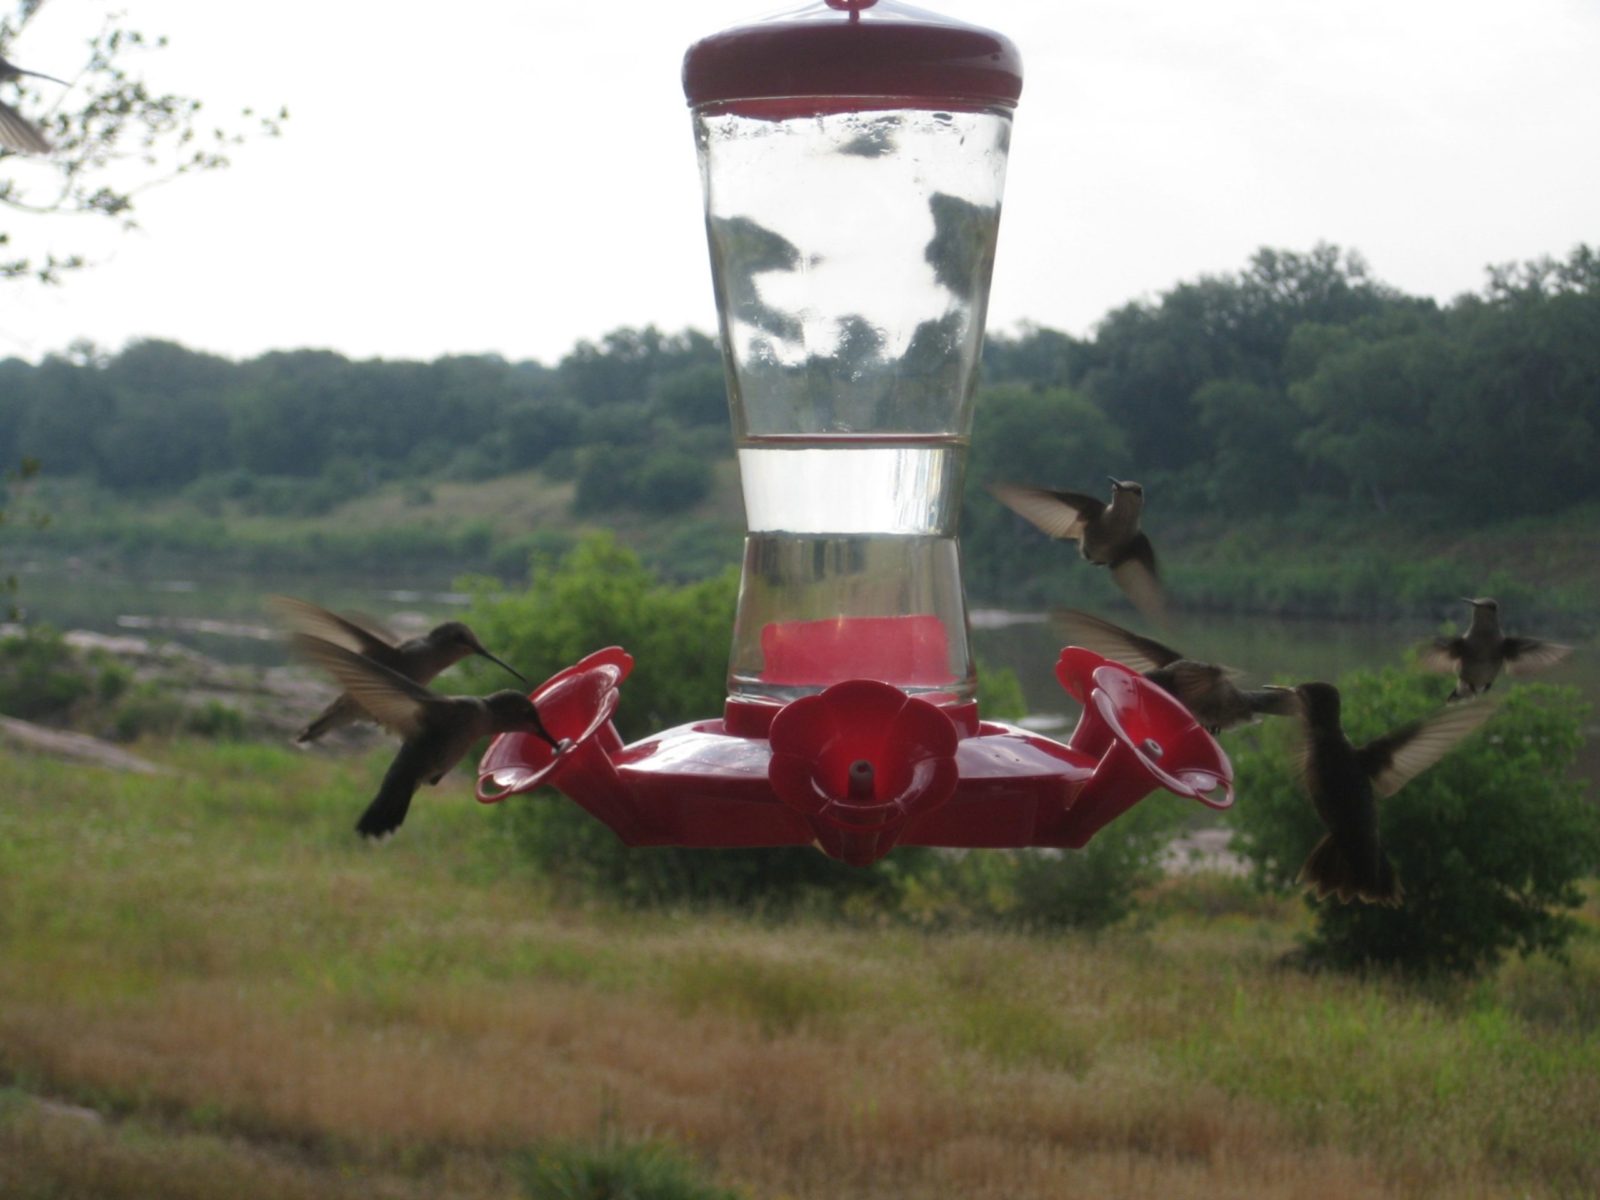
(852, 319)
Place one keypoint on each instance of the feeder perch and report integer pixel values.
(853, 158)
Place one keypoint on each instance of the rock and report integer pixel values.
(74, 747)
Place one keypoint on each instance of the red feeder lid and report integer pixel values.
(853, 51)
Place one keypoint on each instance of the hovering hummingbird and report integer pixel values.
(437, 730)
(1346, 782)
(16, 131)
(419, 659)
(1205, 689)
(1475, 658)
(1108, 535)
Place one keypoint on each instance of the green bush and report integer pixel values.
(40, 677)
(566, 844)
(215, 720)
(659, 480)
(1093, 888)
(672, 481)
(1490, 844)
(148, 710)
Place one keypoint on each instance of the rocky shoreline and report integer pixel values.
(271, 702)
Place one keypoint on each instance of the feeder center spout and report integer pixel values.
(861, 780)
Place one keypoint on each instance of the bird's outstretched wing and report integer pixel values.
(1525, 654)
(315, 621)
(1058, 514)
(20, 134)
(1135, 573)
(1142, 654)
(1400, 755)
(1443, 654)
(391, 699)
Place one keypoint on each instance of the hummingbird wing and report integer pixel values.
(318, 622)
(1134, 571)
(1524, 654)
(1142, 654)
(1393, 760)
(1059, 514)
(1443, 654)
(371, 626)
(391, 699)
(19, 134)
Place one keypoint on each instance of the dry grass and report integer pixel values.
(220, 970)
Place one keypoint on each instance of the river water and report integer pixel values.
(222, 616)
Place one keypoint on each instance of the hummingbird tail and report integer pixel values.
(1329, 871)
(336, 714)
(1389, 893)
(388, 809)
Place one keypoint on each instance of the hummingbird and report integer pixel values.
(1205, 689)
(1107, 534)
(1475, 657)
(16, 131)
(1346, 782)
(419, 659)
(437, 730)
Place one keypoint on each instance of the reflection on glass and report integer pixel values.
(852, 254)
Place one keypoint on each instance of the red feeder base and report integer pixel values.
(862, 767)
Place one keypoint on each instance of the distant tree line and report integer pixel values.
(1301, 379)
(302, 430)
(1299, 383)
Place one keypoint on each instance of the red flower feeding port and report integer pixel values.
(853, 158)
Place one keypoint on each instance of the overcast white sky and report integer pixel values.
(510, 176)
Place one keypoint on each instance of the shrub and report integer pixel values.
(148, 710)
(40, 677)
(613, 476)
(1095, 887)
(215, 720)
(566, 844)
(1091, 889)
(672, 481)
(1490, 844)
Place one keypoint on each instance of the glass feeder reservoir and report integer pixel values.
(853, 156)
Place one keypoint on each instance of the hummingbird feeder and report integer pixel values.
(853, 156)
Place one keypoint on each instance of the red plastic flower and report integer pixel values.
(1120, 704)
(575, 705)
(862, 755)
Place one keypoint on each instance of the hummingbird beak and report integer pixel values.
(1115, 482)
(541, 731)
(500, 662)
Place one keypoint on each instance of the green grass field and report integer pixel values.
(210, 987)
